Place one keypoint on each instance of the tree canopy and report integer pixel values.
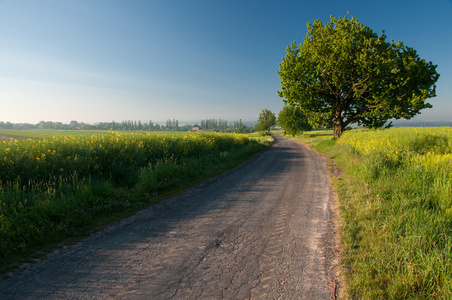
(292, 119)
(266, 121)
(344, 73)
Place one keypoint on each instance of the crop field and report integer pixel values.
(101, 155)
(8, 134)
(58, 187)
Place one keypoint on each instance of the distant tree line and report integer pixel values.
(172, 125)
(216, 125)
(74, 125)
(222, 125)
(18, 126)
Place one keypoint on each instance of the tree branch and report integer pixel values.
(350, 91)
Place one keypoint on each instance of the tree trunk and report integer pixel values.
(337, 131)
(337, 128)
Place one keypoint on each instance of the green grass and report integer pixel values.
(45, 133)
(395, 201)
(56, 189)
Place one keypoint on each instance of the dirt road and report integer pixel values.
(261, 231)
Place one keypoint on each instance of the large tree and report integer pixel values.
(266, 121)
(344, 73)
(292, 119)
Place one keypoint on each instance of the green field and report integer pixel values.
(395, 200)
(7, 134)
(55, 186)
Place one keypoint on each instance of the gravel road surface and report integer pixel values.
(264, 230)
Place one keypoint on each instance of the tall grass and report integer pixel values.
(395, 200)
(397, 217)
(53, 189)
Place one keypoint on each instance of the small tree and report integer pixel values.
(344, 73)
(292, 119)
(266, 121)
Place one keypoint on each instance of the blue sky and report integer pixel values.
(104, 60)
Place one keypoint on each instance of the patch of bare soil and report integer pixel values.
(333, 168)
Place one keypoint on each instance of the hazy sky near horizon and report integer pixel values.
(105, 60)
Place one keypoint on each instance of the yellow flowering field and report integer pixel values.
(400, 141)
(25, 160)
(428, 147)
